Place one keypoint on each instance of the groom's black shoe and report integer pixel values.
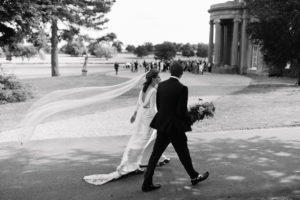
(199, 178)
(148, 188)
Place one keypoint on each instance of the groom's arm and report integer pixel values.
(182, 104)
(157, 98)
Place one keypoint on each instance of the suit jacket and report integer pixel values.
(171, 101)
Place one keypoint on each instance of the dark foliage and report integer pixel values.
(276, 28)
(74, 49)
(13, 90)
(165, 51)
(202, 50)
(18, 18)
(118, 45)
(130, 48)
(141, 51)
(187, 50)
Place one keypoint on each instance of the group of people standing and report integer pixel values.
(158, 65)
(193, 66)
(133, 66)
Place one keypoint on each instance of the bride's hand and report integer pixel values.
(132, 119)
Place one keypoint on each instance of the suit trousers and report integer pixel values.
(179, 143)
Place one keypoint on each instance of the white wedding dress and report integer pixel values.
(140, 144)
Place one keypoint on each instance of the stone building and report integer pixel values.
(230, 49)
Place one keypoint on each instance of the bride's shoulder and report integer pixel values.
(150, 91)
(153, 89)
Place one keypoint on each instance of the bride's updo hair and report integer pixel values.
(153, 73)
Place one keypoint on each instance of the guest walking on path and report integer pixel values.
(116, 67)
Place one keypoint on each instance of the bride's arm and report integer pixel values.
(153, 109)
(132, 119)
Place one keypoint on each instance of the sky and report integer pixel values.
(139, 21)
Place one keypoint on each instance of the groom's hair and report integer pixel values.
(176, 69)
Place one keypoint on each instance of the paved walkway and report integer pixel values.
(246, 164)
(255, 164)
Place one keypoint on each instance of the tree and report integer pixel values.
(165, 51)
(187, 50)
(118, 45)
(87, 13)
(276, 29)
(1, 54)
(105, 50)
(91, 47)
(18, 19)
(69, 34)
(75, 48)
(20, 50)
(108, 38)
(75, 45)
(149, 46)
(141, 51)
(194, 46)
(130, 48)
(39, 39)
(202, 50)
(178, 46)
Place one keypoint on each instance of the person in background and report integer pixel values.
(116, 65)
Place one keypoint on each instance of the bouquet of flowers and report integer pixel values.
(201, 110)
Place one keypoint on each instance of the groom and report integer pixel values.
(171, 123)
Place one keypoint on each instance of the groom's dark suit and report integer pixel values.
(172, 116)
(171, 122)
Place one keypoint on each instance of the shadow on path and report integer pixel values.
(257, 168)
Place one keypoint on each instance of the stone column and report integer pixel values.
(235, 40)
(211, 42)
(244, 46)
(225, 45)
(249, 56)
(218, 40)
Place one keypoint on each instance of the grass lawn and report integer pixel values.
(12, 114)
(267, 102)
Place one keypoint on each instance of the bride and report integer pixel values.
(140, 145)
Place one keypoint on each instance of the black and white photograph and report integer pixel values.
(149, 100)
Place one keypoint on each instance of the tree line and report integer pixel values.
(168, 50)
(27, 19)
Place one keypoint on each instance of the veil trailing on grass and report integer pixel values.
(68, 99)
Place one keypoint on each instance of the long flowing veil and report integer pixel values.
(68, 99)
